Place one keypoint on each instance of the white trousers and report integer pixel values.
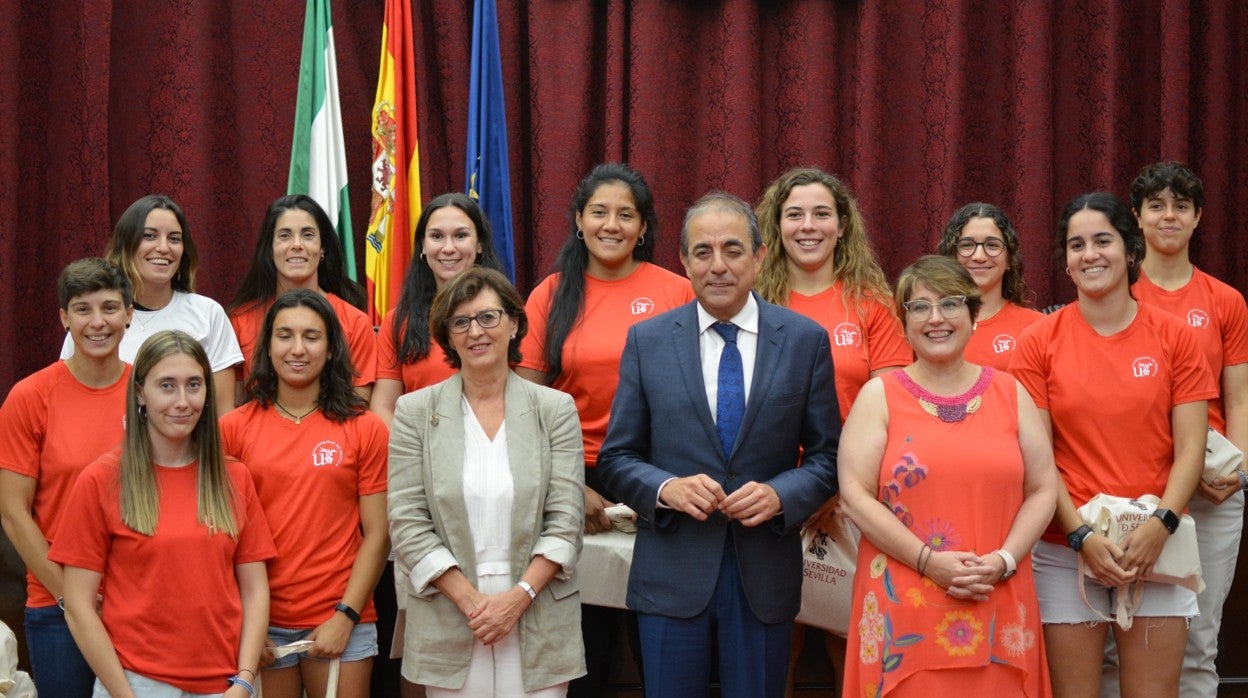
(495, 670)
(1218, 531)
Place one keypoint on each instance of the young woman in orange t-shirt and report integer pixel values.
(318, 458)
(43, 426)
(298, 248)
(166, 511)
(579, 317)
(982, 239)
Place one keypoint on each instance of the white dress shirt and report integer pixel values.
(711, 346)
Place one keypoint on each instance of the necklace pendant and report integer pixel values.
(298, 420)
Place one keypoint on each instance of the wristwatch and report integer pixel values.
(1168, 519)
(1011, 567)
(1076, 537)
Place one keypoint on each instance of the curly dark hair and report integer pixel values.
(1013, 288)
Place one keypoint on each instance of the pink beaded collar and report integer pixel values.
(949, 409)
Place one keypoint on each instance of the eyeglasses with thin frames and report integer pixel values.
(950, 307)
(486, 319)
(993, 247)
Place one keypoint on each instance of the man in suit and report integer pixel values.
(718, 403)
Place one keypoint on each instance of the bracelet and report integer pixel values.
(528, 589)
(249, 671)
(923, 564)
(349, 612)
(60, 601)
(240, 681)
(1243, 480)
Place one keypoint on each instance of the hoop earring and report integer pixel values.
(1067, 271)
(580, 234)
(143, 413)
(421, 256)
(641, 240)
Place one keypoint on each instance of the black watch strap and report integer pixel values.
(1076, 537)
(1168, 519)
(348, 612)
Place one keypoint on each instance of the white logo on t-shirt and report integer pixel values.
(1144, 367)
(1197, 318)
(642, 306)
(847, 334)
(327, 453)
(1003, 343)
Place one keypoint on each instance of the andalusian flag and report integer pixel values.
(396, 162)
(318, 160)
(488, 177)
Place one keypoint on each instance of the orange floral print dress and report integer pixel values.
(957, 485)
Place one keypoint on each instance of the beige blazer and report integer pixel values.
(429, 528)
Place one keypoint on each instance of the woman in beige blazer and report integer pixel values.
(486, 509)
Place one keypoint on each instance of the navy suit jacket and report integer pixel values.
(661, 427)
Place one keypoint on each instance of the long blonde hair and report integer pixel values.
(853, 262)
(140, 500)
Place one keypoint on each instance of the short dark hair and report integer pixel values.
(89, 275)
(1120, 217)
(464, 288)
(337, 398)
(941, 274)
(721, 202)
(1182, 182)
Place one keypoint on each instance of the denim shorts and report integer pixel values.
(1057, 587)
(361, 645)
(144, 687)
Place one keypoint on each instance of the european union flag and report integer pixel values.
(488, 178)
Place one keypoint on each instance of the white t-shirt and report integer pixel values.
(199, 316)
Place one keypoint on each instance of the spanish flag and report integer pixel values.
(396, 163)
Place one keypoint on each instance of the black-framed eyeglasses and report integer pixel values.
(486, 319)
(950, 307)
(993, 247)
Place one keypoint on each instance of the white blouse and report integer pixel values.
(488, 494)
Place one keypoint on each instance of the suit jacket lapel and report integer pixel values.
(446, 455)
(523, 454)
(771, 338)
(689, 358)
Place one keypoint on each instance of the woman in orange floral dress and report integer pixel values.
(944, 598)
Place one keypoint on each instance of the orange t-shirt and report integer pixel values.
(248, 320)
(1109, 398)
(429, 370)
(862, 342)
(190, 642)
(995, 340)
(591, 353)
(1218, 314)
(310, 477)
(53, 426)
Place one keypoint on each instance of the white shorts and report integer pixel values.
(1057, 586)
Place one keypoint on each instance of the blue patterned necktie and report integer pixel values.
(730, 404)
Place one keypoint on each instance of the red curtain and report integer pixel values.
(921, 106)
